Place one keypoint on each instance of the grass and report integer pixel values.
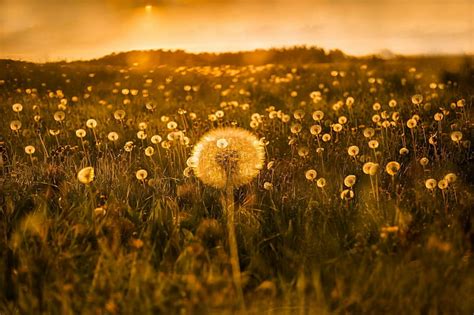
(158, 245)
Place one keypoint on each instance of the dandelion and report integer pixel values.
(86, 175)
(119, 114)
(268, 186)
(318, 115)
(326, 137)
(141, 135)
(29, 149)
(228, 168)
(311, 174)
(228, 156)
(149, 151)
(15, 125)
(91, 123)
(17, 107)
(296, 128)
(80, 133)
(350, 180)
(128, 146)
(59, 116)
(315, 130)
(411, 123)
(417, 99)
(450, 178)
(347, 194)
(172, 125)
(321, 182)
(424, 161)
(373, 144)
(156, 139)
(392, 168)
(430, 183)
(438, 116)
(337, 127)
(456, 136)
(443, 184)
(113, 136)
(370, 168)
(141, 174)
(303, 152)
(404, 151)
(369, 132)
(353, 150)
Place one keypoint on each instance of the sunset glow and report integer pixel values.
(43, 30)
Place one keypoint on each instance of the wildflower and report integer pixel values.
(443, 184)
(59, 116)
(370, 168)
(80, 133)
(438, 116)
(337, 127)
(369, 132)
(321, 182)
(234, 165)
(411, 123)
(86, 175)
(404, 151)
(424, 161)
(315, 130)
(430, 183)
(326, 137)
(128, 147)
(141, 135)
(353, 150)
(155, 139)
(17, 107)
(456, 136)
(149, 151)
(91, 123)
(15, 125)
(29, 149)
(141, 174)
(311, 174)
(113, 136)
(450, 178)
(417, 99)
(268, 186)
(373, 144)
(318, 115)
(392, 168)
(172, 125)
(119, 114)
(350, 180)
(347, 194)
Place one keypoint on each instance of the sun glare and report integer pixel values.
(148, 8)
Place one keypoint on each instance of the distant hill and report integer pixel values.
(293, 55)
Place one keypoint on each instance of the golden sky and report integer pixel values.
(45, 30)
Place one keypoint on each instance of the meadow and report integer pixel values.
(362, 203)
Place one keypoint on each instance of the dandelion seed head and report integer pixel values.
(29, 149)
(311, 174)
(350, 180)
(86, 175)
(392, 168)
(141, 174)
(235, 164)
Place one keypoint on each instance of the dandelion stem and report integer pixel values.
(234, 255)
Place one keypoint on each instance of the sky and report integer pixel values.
(48, 30)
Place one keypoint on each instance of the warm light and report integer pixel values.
(148, 8)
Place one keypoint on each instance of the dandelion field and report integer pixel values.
(355, 197)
